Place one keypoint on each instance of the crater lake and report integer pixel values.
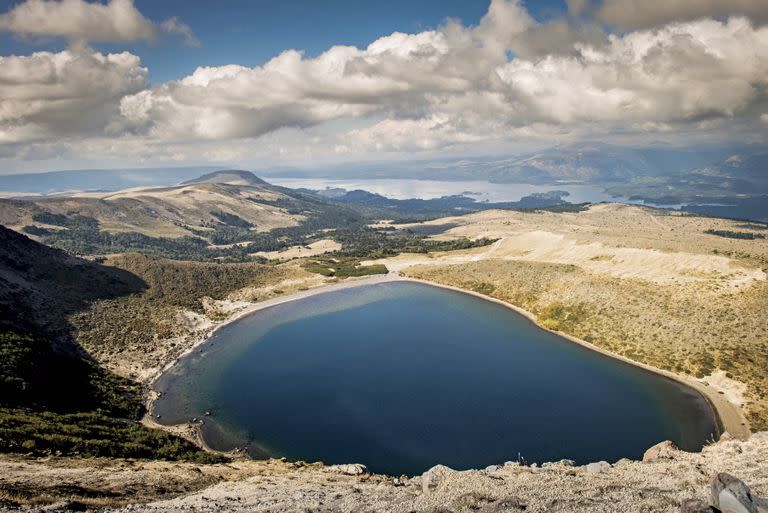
(401, 376)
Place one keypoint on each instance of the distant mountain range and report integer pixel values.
(224, 215)
(98, 179)
(730, 182)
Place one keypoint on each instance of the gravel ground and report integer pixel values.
(278, 486)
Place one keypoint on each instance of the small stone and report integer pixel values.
(695, 506)
(597, 467)
(730, 495)
(491, 468)
(662, 450)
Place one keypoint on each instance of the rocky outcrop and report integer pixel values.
(730, 495)
(727, 495)
(662, 450)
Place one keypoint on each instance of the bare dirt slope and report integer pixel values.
(617, 240)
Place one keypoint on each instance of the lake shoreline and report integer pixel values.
(193, 431)
(727, 416)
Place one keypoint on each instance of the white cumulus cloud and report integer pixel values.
(460, 82)
(82, 22)
(69, 93)
(118, 20)
(509, 77)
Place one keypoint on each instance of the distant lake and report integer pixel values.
(429, 189)
(402, 376)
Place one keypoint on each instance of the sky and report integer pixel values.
(261, 83)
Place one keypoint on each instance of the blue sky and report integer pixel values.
(251, 32)
(132, 83)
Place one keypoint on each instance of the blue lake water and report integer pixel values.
(478, 190)
(401, 376)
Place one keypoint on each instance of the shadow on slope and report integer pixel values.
(53, 397)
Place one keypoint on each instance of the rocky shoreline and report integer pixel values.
(730, 417)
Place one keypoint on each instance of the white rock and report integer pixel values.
(597, 467)
(351, 469)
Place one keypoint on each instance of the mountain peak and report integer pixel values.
(228, 176)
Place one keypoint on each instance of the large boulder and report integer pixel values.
(730, 495)
(662, 450)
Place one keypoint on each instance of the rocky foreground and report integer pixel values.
(662, 483)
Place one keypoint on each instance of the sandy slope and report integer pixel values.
(610, 239)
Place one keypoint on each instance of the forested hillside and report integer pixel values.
(53, 398)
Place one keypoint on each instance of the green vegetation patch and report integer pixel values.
(91, 434)
(56, 403)
(371, 243)
(558, 316)
(483, 287)
(729, 234)
(343, 268)
(231, 219)
(53, 398)
(135, 321)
